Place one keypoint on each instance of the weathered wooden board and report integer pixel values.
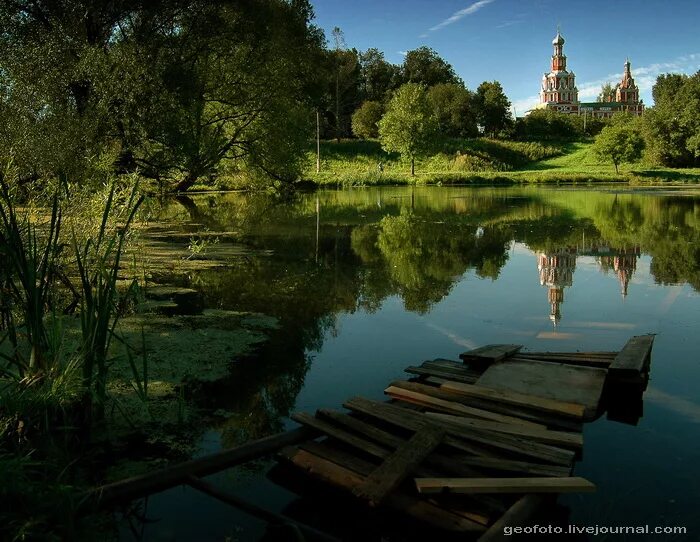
(563, 439)
(633, 359)
(347, 480)
(572, 484)
(447, 375)
(487, 443)
(550, 406)
(399, 465)
(602, 362)
(491, 353)
(447, 401)
(560, 382)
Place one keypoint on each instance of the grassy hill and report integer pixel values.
(354, 162)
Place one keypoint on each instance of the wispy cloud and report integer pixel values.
(644, 76)
(458, 15)
(402, 53)
(506, 24)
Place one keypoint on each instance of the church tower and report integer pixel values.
(558, 89)
(627, 92)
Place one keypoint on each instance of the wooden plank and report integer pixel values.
(347, 480)
(634, 357)
(444, 400)
(602, 363)
(348, 438)
(152, 482)
(465, 439)
(399, 465)
(573, 484)
(523, 509)
(454, 367)
(557, 381)
(365, 468)
(550, 406)
(253, 509)
(462, 465)
(447, 375)
(535, 418)
(557, 438)
(491, 353)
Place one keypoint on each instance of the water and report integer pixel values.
(366, 282)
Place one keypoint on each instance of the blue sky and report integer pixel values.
(510, 40)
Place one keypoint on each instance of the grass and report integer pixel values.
(473, 161)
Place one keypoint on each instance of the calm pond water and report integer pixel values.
(368, 281)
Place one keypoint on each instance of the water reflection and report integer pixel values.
(366, 282)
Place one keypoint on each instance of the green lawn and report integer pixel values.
(353, 162)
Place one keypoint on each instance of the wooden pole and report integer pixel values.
(153, 482)
(318, 142)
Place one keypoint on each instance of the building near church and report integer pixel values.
(559, 91)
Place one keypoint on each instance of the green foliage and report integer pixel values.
(620, 142)
(546, 124)
(607, 93)
(453, 109)
(408, 125)
(365, 120)
(672, 126)
(378, 77)
(425, 67)
(492, 107)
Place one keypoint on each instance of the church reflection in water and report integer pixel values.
(556, 270)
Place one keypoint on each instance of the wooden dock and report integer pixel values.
(463, 446)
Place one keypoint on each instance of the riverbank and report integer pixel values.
(481, 161)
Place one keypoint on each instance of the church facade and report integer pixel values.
(559, 92)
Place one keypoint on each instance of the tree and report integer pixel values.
(378, 77)
(492, 107)
(426, 67)
(619, 142)
(672, 126)
(453, 110)
(408, 125)
(365, 120)
(607, 93)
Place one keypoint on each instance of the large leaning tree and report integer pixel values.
(408, 126)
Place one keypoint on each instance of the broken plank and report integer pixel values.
(348, 438)
(547, 436)
(347, 480)
(465, 439)
(550, 406)
(525, 416)
(445, 400)
(633, 359)
(491, 353)
(399, 465)
(573, 484)
(447, 375)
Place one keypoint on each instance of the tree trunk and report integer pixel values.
(617, 171)
(413, 167)
(186, 183)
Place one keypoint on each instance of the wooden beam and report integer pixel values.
(444, 400)
(523, 509)
(547, 436)
(475, 442)
(525, 415)
(447, 375)
(250, 508)
(347, 480)
(399, 465)
(490, 353)
(633, 359)
(153, 482)
(603, 363)
(572, 484)
(549, 406)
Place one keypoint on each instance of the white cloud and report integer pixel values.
(524, 105)
(476, 6)
(402, 53)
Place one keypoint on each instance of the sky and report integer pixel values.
(510, 40)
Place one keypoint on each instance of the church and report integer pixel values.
(559, 91)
